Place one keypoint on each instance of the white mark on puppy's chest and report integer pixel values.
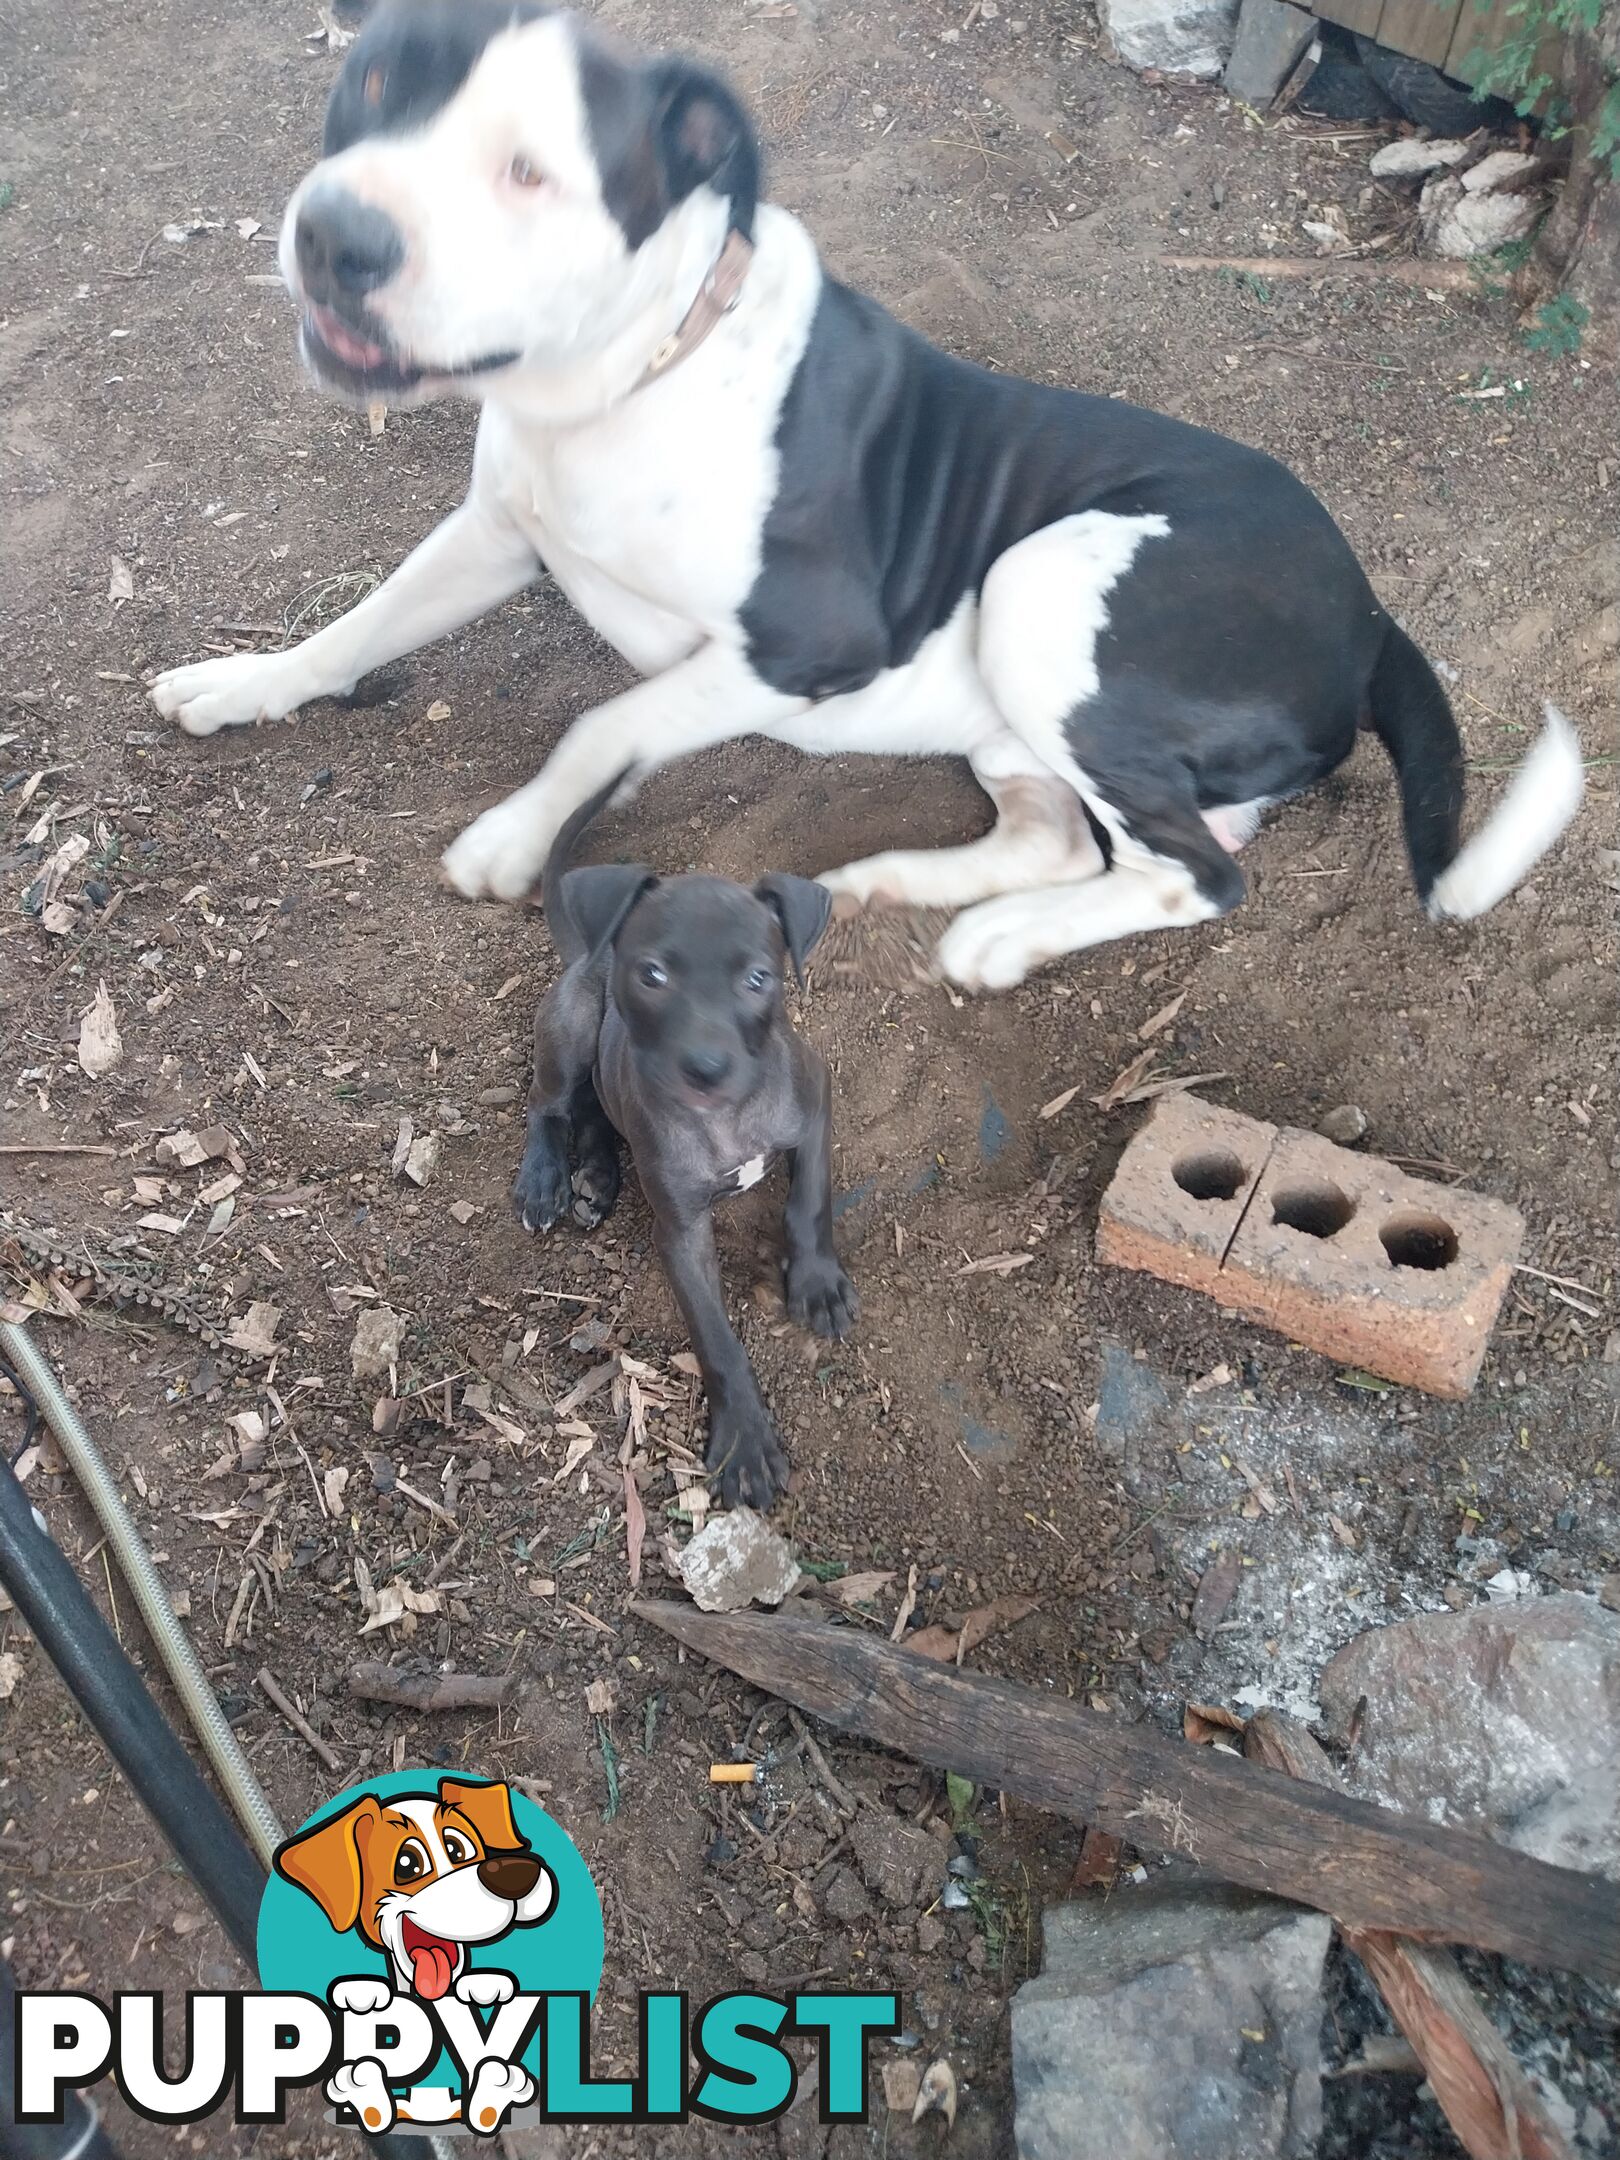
(749, 1173)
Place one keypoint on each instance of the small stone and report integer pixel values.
(1345, 1125)
(898, 1860)
(753, 1968)
(385, 1416)
(462, 1211)
(930, 1933)
(902, 2082)
(374, 1351)
(1500, 169)
(1410, 159)
(422, 1159)
(496, 1098)
(1185, 37)
(737, 1560)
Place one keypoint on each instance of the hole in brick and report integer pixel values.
(1413, 1239)
(1318, 1210)
(1211, 1175)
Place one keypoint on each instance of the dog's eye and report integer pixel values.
(459, 1848)
(375, 84)
(652, 974)
(411, 1862)
(524, 175)
(757, 979)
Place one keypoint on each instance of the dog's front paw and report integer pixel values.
(363, 2087)
(364, 1997)
(496, 2089)
(230, 692)
(544, 1191)
(500, 854)
(820, 1296)
(995, 945)
(745, 1456)
(486, 1989)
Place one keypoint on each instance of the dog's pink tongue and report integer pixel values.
(433, 1968)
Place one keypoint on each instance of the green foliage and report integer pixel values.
(1513, 71)
(8, 194)
(1558, 327)
(959, 1797)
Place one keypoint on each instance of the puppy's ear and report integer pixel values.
(802, 907)
(489, 1809)
(325, 1862)
(598, 898)
(705, 138)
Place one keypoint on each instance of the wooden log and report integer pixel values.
(1365, 1865)
(1484, 2095)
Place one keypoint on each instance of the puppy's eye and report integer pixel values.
(411, 1862)
(460, 1849)
(375, 84)
(525, 175)
(757, 979)
(652, 974)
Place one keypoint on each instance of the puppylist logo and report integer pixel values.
(428, 1954)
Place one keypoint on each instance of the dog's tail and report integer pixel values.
(1412, 718)
(569, 939)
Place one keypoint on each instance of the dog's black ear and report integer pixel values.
(802, 907)
(599, 897)
(705, 138)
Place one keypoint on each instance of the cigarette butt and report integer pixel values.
(733, 1773)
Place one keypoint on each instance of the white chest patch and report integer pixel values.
(749, 1173)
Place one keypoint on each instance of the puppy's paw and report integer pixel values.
(363, 2087)
(500, 854)
(229, 692)
(745, 1456)
(820, 1296)
(543, 1192)
(485, 1988)
(497, 2088)
(363, 1996)
(596, 1190)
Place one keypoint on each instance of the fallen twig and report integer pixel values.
(842, 1798)
(55, 1147)
(1443, 276)
(376, 1682)
(295, 1718)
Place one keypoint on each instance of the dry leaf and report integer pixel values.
(938, 1643)
(635, 1527)
(332, 1486)
(1343, 1532)
(1122, 1083)
(255, 1333)
(101, 1047)
(437, 711)
(1200, 1722)
(601, 1698)
(578, 1449)
(1098, 1861)
(1162, 1018)
(1059, 1102)
(908, 1605)
(512, 982)
(121, 582)
(987, 1620)
(859, 1589)
(938, 2092)
(1000, 1263)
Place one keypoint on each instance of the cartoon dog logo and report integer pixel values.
(422, 1876)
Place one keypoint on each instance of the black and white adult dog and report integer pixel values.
(796, 518)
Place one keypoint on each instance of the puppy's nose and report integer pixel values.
(705, 1068)
(509, 1874)
(345, 247)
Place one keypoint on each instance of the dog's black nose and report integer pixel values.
(509, 1874)
(345, 247)
(705, 1068)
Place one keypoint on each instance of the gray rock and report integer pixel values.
(1345, 1125)
(898, 1860)
(1457, 224)
(1410, 159)
(737, 1560)
(1185, 37)
(375, 1348)
(1140, 2037)
(1502, 1717)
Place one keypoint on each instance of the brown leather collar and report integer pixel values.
(717, 296)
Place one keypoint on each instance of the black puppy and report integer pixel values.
(668, 1028)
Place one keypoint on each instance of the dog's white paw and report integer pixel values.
(363, 2087)
(991, 947)
(496, 2089)
(485, 1988)
(875, 879)
(500, 854)
(230, 692)
(364, 1996)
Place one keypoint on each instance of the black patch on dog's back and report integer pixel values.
(409, 62)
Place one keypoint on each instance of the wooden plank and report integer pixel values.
(1367, 1866)
(1484, 2095)
(1422, 28)
(1482, 29)
(1359, 15)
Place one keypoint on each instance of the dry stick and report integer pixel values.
(430, 1691)
(54, 1147)
(1443, 276)
(842, 1798)
(1366, 1866)
(295, 1718)
(1485, 2096)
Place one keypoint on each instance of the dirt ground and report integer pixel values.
(265, 912)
